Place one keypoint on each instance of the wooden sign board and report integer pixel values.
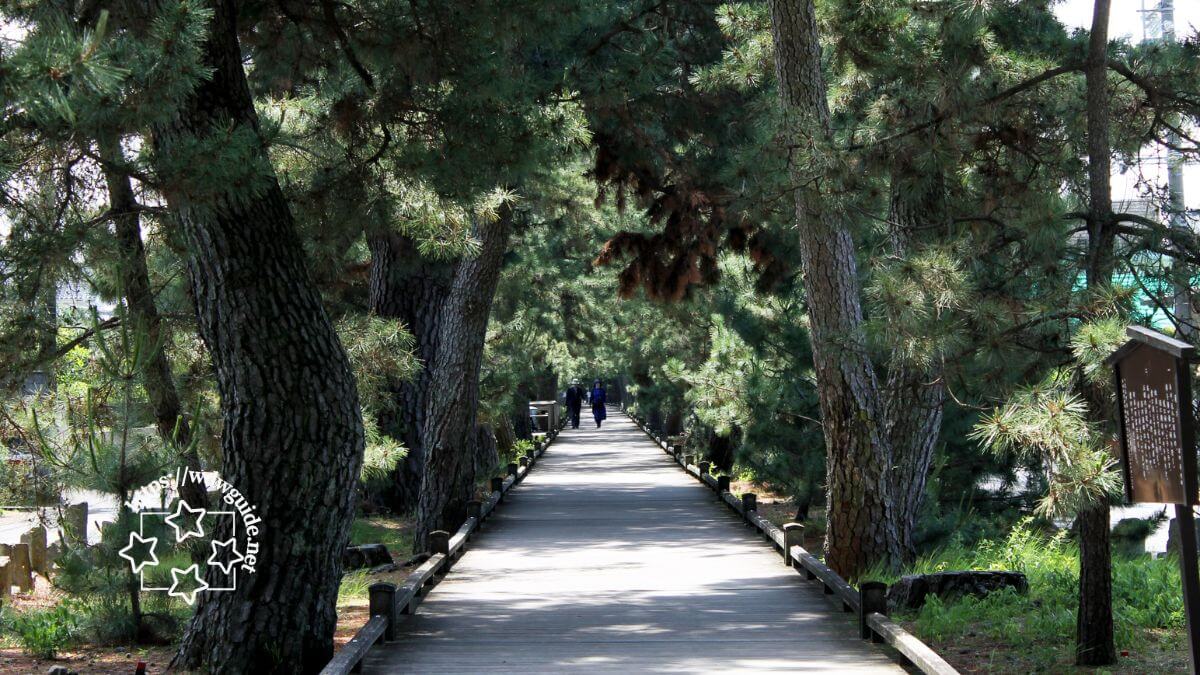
(1154, 401)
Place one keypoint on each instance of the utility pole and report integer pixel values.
(1177, 214)
(1177, 220)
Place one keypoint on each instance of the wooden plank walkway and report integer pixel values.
(609, 558)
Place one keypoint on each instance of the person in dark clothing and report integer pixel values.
(574, 403)
(599, 398)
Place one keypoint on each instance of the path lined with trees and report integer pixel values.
(866, 255)
(609, 558)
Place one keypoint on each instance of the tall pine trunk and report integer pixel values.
(1094, 644)
(861, 526)
(292, 441)
(915, 394)
(1094, 621)
(448, 434)
(157, 379)
(407, 287)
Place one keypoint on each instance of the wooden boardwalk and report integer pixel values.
(609, 558)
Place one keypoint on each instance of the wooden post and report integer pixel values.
(722, 484)
(677, 452)
(5, 578)
(512, 468)
(687, 460)
(439, 542)
(36, 538)
(475, 510)
(383, 603)
(704, 466)
(872, 600)
(749, 502)
(498, 484)
(524, 461)
(20, 567)
(793, 535)
(1189, 570)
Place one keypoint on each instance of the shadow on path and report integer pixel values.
(609, 558)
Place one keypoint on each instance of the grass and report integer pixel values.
(354, 586)
(43, 633)
(393, 532)
(1011, 633)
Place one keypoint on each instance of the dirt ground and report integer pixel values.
(86, 659)
(89, 660)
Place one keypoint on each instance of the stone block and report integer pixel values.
(913, 589)
(366, 555)
(36, 538)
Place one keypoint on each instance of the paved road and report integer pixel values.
(102, 509)
(609, 558)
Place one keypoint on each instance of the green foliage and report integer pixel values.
(1051, 424)
(381, 354)
(393, 532)
(919, 303)
(520, 448)
(355, 586)
(1041, 624)
(380, 456)
(43, 633)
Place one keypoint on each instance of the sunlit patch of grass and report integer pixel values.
(354, 586)
(1008, 632)
(393, 532)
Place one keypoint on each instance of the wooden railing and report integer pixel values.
(869, 601)
(389, 603)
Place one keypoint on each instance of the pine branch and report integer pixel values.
(344, 43)
(953, 112)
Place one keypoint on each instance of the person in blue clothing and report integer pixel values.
(598, 398)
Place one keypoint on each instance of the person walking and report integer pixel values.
(598, 398)
(574, 401)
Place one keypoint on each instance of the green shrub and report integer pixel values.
(43, 633)
(519, 449)
(1146, 594)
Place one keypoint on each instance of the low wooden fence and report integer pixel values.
(389, 603)
(869, 601)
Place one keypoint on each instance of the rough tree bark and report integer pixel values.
(522, 428)
(1094, 644)
(448, 434)
(673, 425)
(292, 441)
(412, 289)
(915, 395)
(159, 383)
(859, 502)
(487, 450)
